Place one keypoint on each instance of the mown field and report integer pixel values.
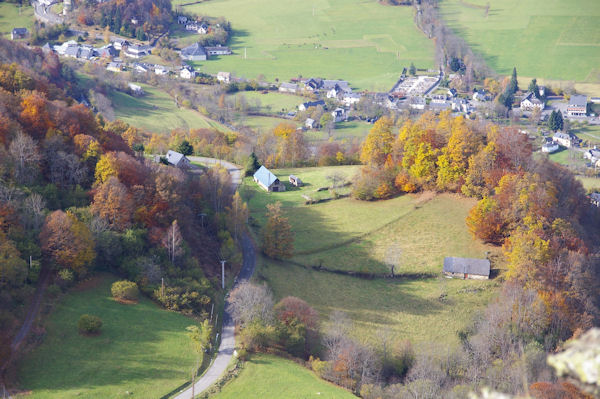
(142, 349)
(351, 235)
(363, 42)
(268, 376)
(536, 36)
(347, 234)
(156, 111)
(12, 16)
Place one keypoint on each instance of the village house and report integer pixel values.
(224, 77)
(477, 269)
(108, 51)
(341, 85)
(350, 99)
(140, 68)
(339, 114)
(137, 50)
(288, 87)
(531, 102)
(195, 52)
(202, 29)
(308, 104)
(595, 100)
(480, 95)
(114, 66)
(577, 105)
(309, 123)
(438, 107)
(267, 180)
(313, 84)
(563, 139)
(550, 147)
(18, 33)
(416, 103)
(177, 159)
(161, 70)
(182, 19)
(187, 72)
(593, 155)
(119, 44)
(452, 93)
(295, 181)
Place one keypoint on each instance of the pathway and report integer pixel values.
(219, 365)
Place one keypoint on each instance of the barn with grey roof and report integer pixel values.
(478, 269)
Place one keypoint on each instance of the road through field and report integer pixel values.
(219, 365)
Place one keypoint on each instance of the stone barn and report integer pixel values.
(477, 269)
(268, 181)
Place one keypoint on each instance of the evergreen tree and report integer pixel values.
(534, 88)
(555, 122)
(185, 148)
(252, 164)
(513, 86)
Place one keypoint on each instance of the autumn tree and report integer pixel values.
(106, 167)
(379, 143)
(237, 215)
(13, 269)
(277, 235)
(251, 302)
(114, 204)
(67, 242)
(35, 115)
(25, 154)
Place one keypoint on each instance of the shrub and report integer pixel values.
(124, 289)
(318, 366)
(89, 324)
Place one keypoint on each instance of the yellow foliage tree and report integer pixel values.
(379, 143)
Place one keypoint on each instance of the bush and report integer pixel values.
(89, 324)
(124, 289)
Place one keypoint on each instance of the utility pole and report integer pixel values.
(245, 54)
(223, 274)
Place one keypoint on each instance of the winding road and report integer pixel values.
(225, 353)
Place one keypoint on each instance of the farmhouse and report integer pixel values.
(531, 102)
(195, 52)
(177, 159)
(577, 105)
(550, 147)
(114, 66)
(452, 93)
(295, 180)
(224, 77)
(309, 123)
(161, 70)
(478, 269)
(288, 87)
(339, 114)
(480, 95)
(563, 139)
(18, 33)
(187, 72)
(350, 99)
(267, 180)
(313, 84)
(593, 155)
(308, 104)
(120, 43)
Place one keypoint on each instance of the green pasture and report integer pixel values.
(536, 36)
(363, 42)
(262, 123)
(156, 111)
(268, 376)
(13, 16)
(269, 102)
(347, 131)
(590, 183)
(567, 157)
(347, 234)
(142, 352)
(422, 311)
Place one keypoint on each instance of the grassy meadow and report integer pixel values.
(268, 376)
(536, 36)
(157, 112)
(142, 349)
(363, 42)
(351, 235)
(12, 16)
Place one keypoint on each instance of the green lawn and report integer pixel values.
(424, 310)
(536, 36)
(348, 234)
(142, 349)
(590, 183)
(363, 42)
(156, 111)
(566, 156)
(344, 131)
(11, 17)
(586, 132)
(268, 376)
(270, 102)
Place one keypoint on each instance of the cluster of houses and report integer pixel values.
(198, 52)
(193, 26)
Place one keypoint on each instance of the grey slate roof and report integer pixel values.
(174, 157)
(578, 100)
(264, 176)
(193, 51)
(479, 267)
(309, 104)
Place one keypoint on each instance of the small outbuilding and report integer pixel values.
(477, 269)
(295, 180)
(267, 180)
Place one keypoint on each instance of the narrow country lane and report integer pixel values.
(219, 365)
